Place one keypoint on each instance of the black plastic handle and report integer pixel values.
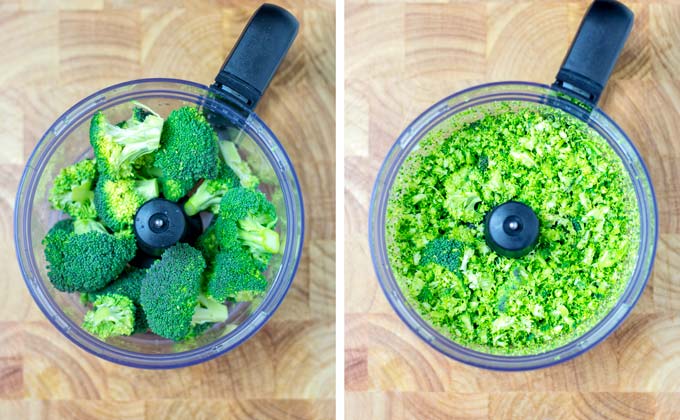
(594, 51)
(259, 51)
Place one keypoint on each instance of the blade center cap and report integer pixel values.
(511, 229)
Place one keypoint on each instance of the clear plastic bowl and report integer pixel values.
(483, 97)
(67, 141)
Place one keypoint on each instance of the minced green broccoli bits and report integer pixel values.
(589, 220)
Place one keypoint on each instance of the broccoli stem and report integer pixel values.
(81, 226)
(264, 239)
(201, 199)
(83, 192)
(209, 310)
(147, 188)
(240, 168)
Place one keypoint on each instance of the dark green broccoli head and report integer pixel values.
(444, 252)
(54, 242)
(86, 261)
(234, 276)
(188, 152)
(117, 202)
(209, 194)
(72, 191)
(128, 284)
(170, 289)
(111, 315)
(246, 218)
(116, 148)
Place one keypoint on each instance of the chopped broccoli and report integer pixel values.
(188, 152)
(238, 165)
(443, 251)
(247, 218)
(578, 187)
(117, 202)
(116, 148)
(209, 193)
(72, 192)
(86, 260)
(170, 290)
(235, 275)
(111, 315)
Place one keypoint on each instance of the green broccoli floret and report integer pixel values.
(247, 218)
(209, 193)
(238, 165)
(128, 284)
(207, 243)
(72, 191)
(170, 289)
(117, 202)
(235, 275)
(84, 257)
(111, 315)
(188, 152)
(116, 148)
(444, 252)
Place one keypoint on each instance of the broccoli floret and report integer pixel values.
(444, 252)
(188, 152)
(128, 284)
(117, 202)
(83, 257)
(247, 218)
(72, 191)
(238, 165)
(116, 148)
(208, 310)
(235, 272)
(111, 315)
(170, 290)
(207, 243)
(210, 192)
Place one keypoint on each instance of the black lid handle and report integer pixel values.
(259, 51)
(594, 51)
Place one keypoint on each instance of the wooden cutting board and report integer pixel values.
(403, 56)
(56, 52)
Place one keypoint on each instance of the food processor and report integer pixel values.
(576, 91)
(229, 105)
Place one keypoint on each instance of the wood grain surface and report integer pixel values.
(56, 52)
(402, 57)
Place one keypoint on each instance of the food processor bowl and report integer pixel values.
(464, 108)
(67, 141)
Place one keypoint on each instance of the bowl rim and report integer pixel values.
(253, 126)
(423, 329)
